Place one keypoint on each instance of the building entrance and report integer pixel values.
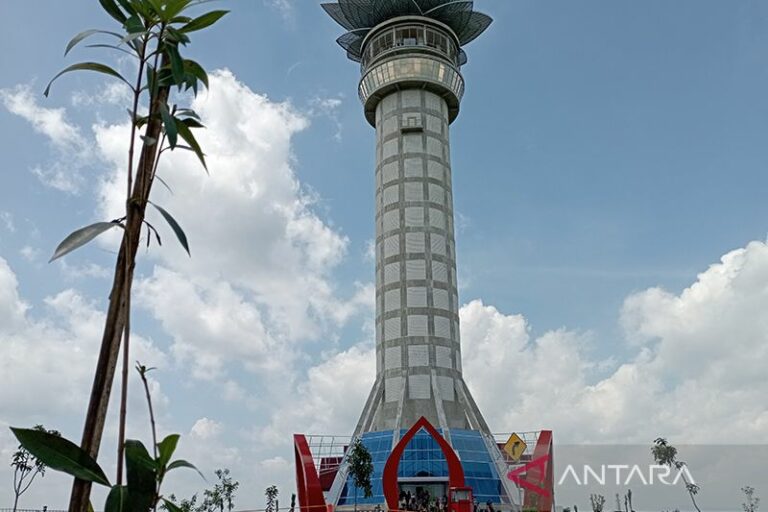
(422, 493)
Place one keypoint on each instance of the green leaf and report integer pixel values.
(181, 19)
(80, 237)
(134, 25)
(177, 63)
(188, 112)
(111, 46)
(127, 6)
(143, 10)
(161, 180)
(174, 7)
(166, 448)
(201, 22)
(113, 10)
(187, 135)
(184, 464)
(171, 128)
(156, 6)
(141, 476)
(151, 77)
(196, 70)
(176, 36)
(61, 455)
(117, 500)
(171, 507)
(87, 33)
(177, 231)
(192, 123)
(87, 66)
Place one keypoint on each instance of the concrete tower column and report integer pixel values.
(411, 93)
(417, 323)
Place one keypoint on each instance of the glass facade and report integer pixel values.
(415, 68)
(410, 36)
(424, 459)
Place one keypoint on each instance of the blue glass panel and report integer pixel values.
(423, 457)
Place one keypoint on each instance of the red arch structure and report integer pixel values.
(389, 477)
(310, 491)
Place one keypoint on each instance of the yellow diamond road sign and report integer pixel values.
(515, 447)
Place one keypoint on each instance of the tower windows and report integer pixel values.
(409, 36)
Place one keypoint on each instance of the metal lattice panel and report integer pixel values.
(360, 16)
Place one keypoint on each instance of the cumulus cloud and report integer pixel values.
(260, 284)
(48, 357)
(698, 369)
(318, 406)
(59, 348)
(64, 172)
(260, 276)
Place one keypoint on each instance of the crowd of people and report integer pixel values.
(422, 501)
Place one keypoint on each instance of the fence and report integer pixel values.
(44, 509)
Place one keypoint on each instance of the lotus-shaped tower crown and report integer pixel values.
(360, 16)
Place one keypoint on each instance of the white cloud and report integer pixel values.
(6, 218)
(205, 428)
(284, 7)
(86, 270)
(260, 275)
(48, 357)
(65, 171)
(317, 406)
(698, 371)
(30, 253)
(51, 122)
(61, 348)
(112, 93)
(329, 108)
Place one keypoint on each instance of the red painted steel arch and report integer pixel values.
(389, 478)
(310, 491)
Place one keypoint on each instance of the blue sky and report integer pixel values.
(606, 155)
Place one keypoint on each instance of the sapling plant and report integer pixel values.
(145, 471)
(153, 33)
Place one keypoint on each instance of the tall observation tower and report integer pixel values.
(420, 422)
(410, 52)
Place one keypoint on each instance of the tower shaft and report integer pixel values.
(418, 351)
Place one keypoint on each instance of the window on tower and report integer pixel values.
(410, 36)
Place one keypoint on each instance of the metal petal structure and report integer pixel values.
(360, 16)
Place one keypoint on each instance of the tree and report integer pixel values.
(360, 466)
(26, 467)
(271, 493)
(152, 33)
(218, 498)
(753, 502)
(597, 501)
(187, 505)
(222, 495)
(666, 455)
